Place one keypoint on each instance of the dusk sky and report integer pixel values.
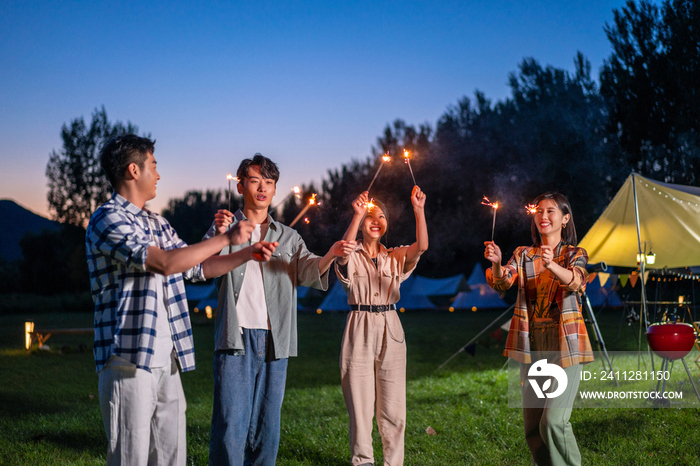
(310, 84)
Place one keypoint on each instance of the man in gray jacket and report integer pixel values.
(256, 324)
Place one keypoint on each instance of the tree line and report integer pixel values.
(556, 131)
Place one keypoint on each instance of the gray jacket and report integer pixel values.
(291, 265)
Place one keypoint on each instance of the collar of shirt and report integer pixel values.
(383, 251)
(271, 223)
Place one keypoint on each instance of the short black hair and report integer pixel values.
(119, 152)
(568, 234)
(268, 168)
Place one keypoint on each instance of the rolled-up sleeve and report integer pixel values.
(308, 271)
(578, 267)
(510, 275)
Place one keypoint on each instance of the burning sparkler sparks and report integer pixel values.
(531, 209)
(312, 201)
(370, 204)
(407, 160)
(493, 205)
(385, 158)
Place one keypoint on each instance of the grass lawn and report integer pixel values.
(49, 412)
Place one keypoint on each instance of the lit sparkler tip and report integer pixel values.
(386, 157)
(230, 177)
(486, 201)
(531, 209)
(312, 199)
(296, 189)
(370, 204)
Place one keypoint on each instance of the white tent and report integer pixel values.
(665, 217)
(669, 223)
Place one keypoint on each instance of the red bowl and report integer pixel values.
(671, 340)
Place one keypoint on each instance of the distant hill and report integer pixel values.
(15, 222)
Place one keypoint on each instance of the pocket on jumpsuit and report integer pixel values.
(394, 327)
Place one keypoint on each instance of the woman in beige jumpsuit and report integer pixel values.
(373, 353)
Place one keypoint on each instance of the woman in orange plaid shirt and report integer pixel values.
(547, 333)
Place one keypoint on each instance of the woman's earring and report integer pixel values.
(564, 225)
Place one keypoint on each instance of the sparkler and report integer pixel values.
(296, 192)
(312, 201)
(493, 205)
(407, 160)
(370, 204)
(230, 177)
(531, 209)
(385, 158)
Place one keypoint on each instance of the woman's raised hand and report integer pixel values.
(417, 198)
(493, 253)
(359, 205)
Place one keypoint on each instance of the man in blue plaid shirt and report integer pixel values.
(142, 325)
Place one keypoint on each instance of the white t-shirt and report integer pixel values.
(251, 306)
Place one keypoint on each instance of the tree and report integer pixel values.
(192, 215)
(77, 185)
(651, 86)
(548, 136)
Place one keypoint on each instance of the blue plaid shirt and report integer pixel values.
(117, 240)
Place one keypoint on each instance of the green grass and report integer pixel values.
(49, 412)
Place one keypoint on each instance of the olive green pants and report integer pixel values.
(548, 431)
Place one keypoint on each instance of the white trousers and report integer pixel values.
(143, 414)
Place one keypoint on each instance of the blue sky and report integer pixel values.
(309, 84)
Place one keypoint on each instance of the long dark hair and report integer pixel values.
(568, 234)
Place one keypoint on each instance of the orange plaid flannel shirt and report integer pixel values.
(526, 268)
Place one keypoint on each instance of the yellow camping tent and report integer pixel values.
(669, 221)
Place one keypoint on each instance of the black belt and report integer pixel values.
(373, 307)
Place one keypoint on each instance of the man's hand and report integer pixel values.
(262, 251)
(222, 219)
(343, 248)
(240, 233)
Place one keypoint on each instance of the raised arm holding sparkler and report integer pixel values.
(373, 341)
